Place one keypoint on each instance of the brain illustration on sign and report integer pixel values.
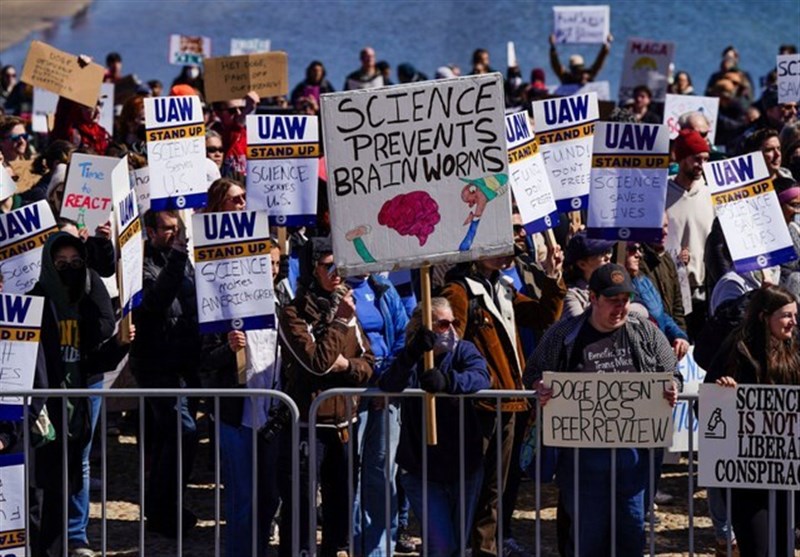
(411, 214)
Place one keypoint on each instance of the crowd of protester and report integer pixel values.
(496, 324)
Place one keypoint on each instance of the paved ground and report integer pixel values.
(20, 18)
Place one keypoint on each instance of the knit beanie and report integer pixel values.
(688, 143)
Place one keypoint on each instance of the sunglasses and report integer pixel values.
(634, 248)
(326, 266)
(18, 137)
(443, 324)
(234, 110)
(62, 265)
(210, 150)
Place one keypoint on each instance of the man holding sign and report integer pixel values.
(606, 338)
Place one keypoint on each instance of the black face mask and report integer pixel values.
(74, 280)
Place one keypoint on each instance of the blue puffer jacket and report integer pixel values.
(649, 296)
(395, 320)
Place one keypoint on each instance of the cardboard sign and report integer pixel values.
(44, 108)
(749, 211)
(140, 183)
(678, 105)
(176, 152)
(20, 324)
(693, 376)
(529, 181)
(87, 194)
(61, 73)
(232, 77)
(12, 504)
(23, 232)
(249, 46)
(565, 131)
(131, 244)
(629, 182)
(106, 105)
(414, 170)
(581, 24)
(789, 78)
(605, 410)
(646, 62)
(283, 168)
(185, 50)
(233, 271)
(750, 437)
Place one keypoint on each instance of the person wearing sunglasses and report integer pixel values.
(214, 149)
(229, 123)
(14, 142)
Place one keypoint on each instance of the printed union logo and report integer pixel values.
(617, 277)
(280, 219)
(237, 324)
(548, 221)
(762, 261)
(576, 203)
(624, 233)
(180, 201)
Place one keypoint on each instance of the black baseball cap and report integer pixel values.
(611, 279)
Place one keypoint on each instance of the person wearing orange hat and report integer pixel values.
(182, 90)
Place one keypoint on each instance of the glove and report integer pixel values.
(422, 341)
(434, 381)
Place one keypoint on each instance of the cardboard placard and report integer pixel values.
(789, 78)
(140, 183)
(605, 410)
(565, 131)
(693, 376)
(678, 105)
(249, 46)
(176, 152)
(186, 50)
(233, 271)
(87, 194)
(628, 190)
(748, 209)
(283, 168)
(23, 232)
(750, 437)
(232, 77)
(130, 240)
(44, 108)
(646, 62)
(581, 24)
(20, 324)
(60, 73)
(413, 170)
(529, 180)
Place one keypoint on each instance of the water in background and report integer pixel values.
(427, 34)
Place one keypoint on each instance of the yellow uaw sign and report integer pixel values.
(524, 151)
(226, 251)
(176, 132)
(283, 151)
(630, 161)
(565, 134)
(20, 334)
(133, 228)
(26, 244)
(12, 538)
(750, 190)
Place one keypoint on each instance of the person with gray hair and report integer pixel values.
(696, 121)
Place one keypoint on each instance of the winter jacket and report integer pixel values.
(489, 313)
(661, 270)
(576, 299)
(651, 299)
(466, 373)
(395, 319)
(310, 347)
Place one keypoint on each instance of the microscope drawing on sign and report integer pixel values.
(716, 427)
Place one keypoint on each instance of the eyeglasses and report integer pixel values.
(18, 137)
(63, 265)
(327, 266)
(634, 248)
(211, 150)
(442, 324)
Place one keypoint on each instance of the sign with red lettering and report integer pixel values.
(87, 195)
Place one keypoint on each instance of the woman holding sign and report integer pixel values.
(763, 350)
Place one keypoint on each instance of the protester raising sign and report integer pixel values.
(232, 77)
(581, 24)
(607, 410)
(131, 244)
(176, 152)
(678, 105)
(63, 74)
(186, 50)
(233, 271)
(749, 212)
(629, 182)
(87, 194)
(20, 321)
(12, 504)
(749, 437)
(529, 181)
(789, 78)
(646, 62)
(565, 131)
(249, 46)
(283, 168)
(412, 172)
(23, 232)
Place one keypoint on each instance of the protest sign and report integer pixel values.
(602, 88)
(233, 271)
(232, 77)
(283, 168)
(412, 172)
(565, 131)
(529, 181)
(188, 50)
(12, 505)
(749, 437)
(87, 194)
(106, 106)
(23, 232)
(748, 209)
(581, 24)
(176, 152)
(249, 46)
(629, 182)
(646, 62)
(607, 410)
(44, 107)
(140, 183)
(20, 323)
(789, 78)
(678, 105)
(63, 74)
(130, 242)
(693, 376)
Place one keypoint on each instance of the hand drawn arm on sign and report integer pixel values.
(478, 193)
(356, 236)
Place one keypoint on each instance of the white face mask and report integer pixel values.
(446, 341)
(193, 72)
(796, 219)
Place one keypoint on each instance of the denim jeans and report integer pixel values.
(444, 509)
(78, 507)
(236, 458)
(369, 505)
(718, 512)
